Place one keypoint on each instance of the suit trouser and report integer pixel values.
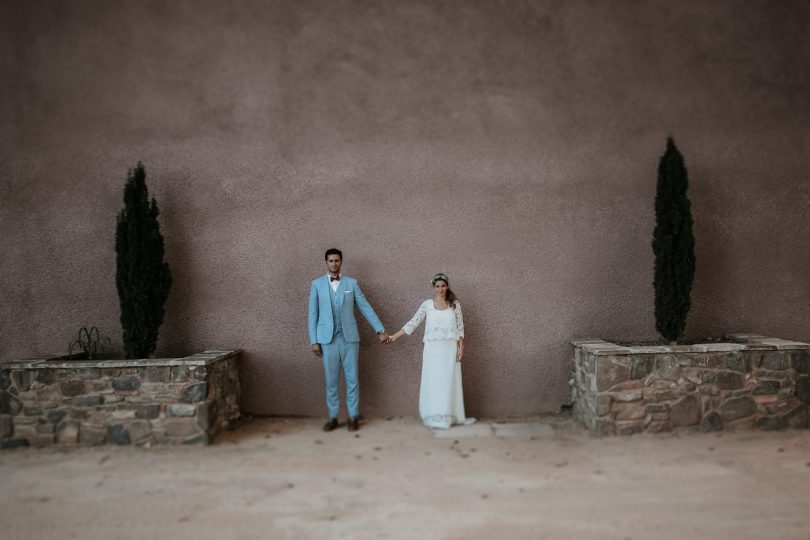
(341, 353)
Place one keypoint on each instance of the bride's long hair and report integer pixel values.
(451, 296)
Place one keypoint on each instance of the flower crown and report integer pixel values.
(439, 277)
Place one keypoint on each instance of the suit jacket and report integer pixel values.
(321, 323)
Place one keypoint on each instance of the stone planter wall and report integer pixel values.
(751, 382)
(52, 400)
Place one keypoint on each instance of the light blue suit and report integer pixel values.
(332, 324)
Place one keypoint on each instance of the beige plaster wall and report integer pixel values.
(512, 145)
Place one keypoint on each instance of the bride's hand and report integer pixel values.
(460, 354)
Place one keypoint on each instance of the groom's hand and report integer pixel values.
(384, 338)
(316, 350)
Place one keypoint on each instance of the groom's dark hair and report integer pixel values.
(333, 251)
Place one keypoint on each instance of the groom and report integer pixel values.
(334, 336)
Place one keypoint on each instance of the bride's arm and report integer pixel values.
(411, 325)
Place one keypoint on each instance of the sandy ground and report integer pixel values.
(285, 478)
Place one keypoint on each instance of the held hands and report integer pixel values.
(390, 339)
(384, 338)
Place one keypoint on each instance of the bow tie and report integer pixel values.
(331, 279)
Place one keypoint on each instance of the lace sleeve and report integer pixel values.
(459, 320)
(417, 319)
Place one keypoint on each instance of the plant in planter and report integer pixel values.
(673, 245)
(142, 276)
(745, 382)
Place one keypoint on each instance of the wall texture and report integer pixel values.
(513, 145)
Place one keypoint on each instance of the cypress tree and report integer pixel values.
(142, 277)
(673, 245)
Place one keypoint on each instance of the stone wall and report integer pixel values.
(54, 400)
(751, 382)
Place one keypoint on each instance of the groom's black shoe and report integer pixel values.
(354, 423)
(331, 424)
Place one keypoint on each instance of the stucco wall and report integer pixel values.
(513, 145)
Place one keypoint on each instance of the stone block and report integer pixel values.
(729, 380)
(46, 427)
(91, 436)
(41, 440)
(181, 428)
(802, 391)
(6, 426)
(774, 360)
(659, 426)
(68, 432)
(603, 402)
(737, 361)
(629, 395)
(79, 414)
(123, 414)
(640, 366)
(631, 413)
(196, 392)
(771, 423)
(626, 385)
(88, 373)
(685, 411)
(709, 389)
(46, 376)
(31, 410)
(697, 375)
(686, 359)
(199, 373)
(667, 367)
(72, 388)
(181, 409)
(148, 411)
(5, 379)
(797, 417)
(180, 374)
(738, 407)
(126, 384)
(153, 388)
(8, 444)
(709, 360)
(49, 393)
(207, 415)
(139, 399)
(118, 434)
(87, 401)
(158, 374)
(631, 427)
(712, 422)
(767, 387)
(659, 396)
(800, 361)
(139, 430)
(100, 385)
(202, 438)
(22, 379)
(110, 399)
(10, 404)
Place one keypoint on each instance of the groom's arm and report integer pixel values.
(313, 315)
(367, 311)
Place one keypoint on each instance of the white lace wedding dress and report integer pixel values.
(441, 399)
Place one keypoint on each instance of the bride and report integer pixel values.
(441, 400)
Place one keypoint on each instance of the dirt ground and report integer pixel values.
(275, 478)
